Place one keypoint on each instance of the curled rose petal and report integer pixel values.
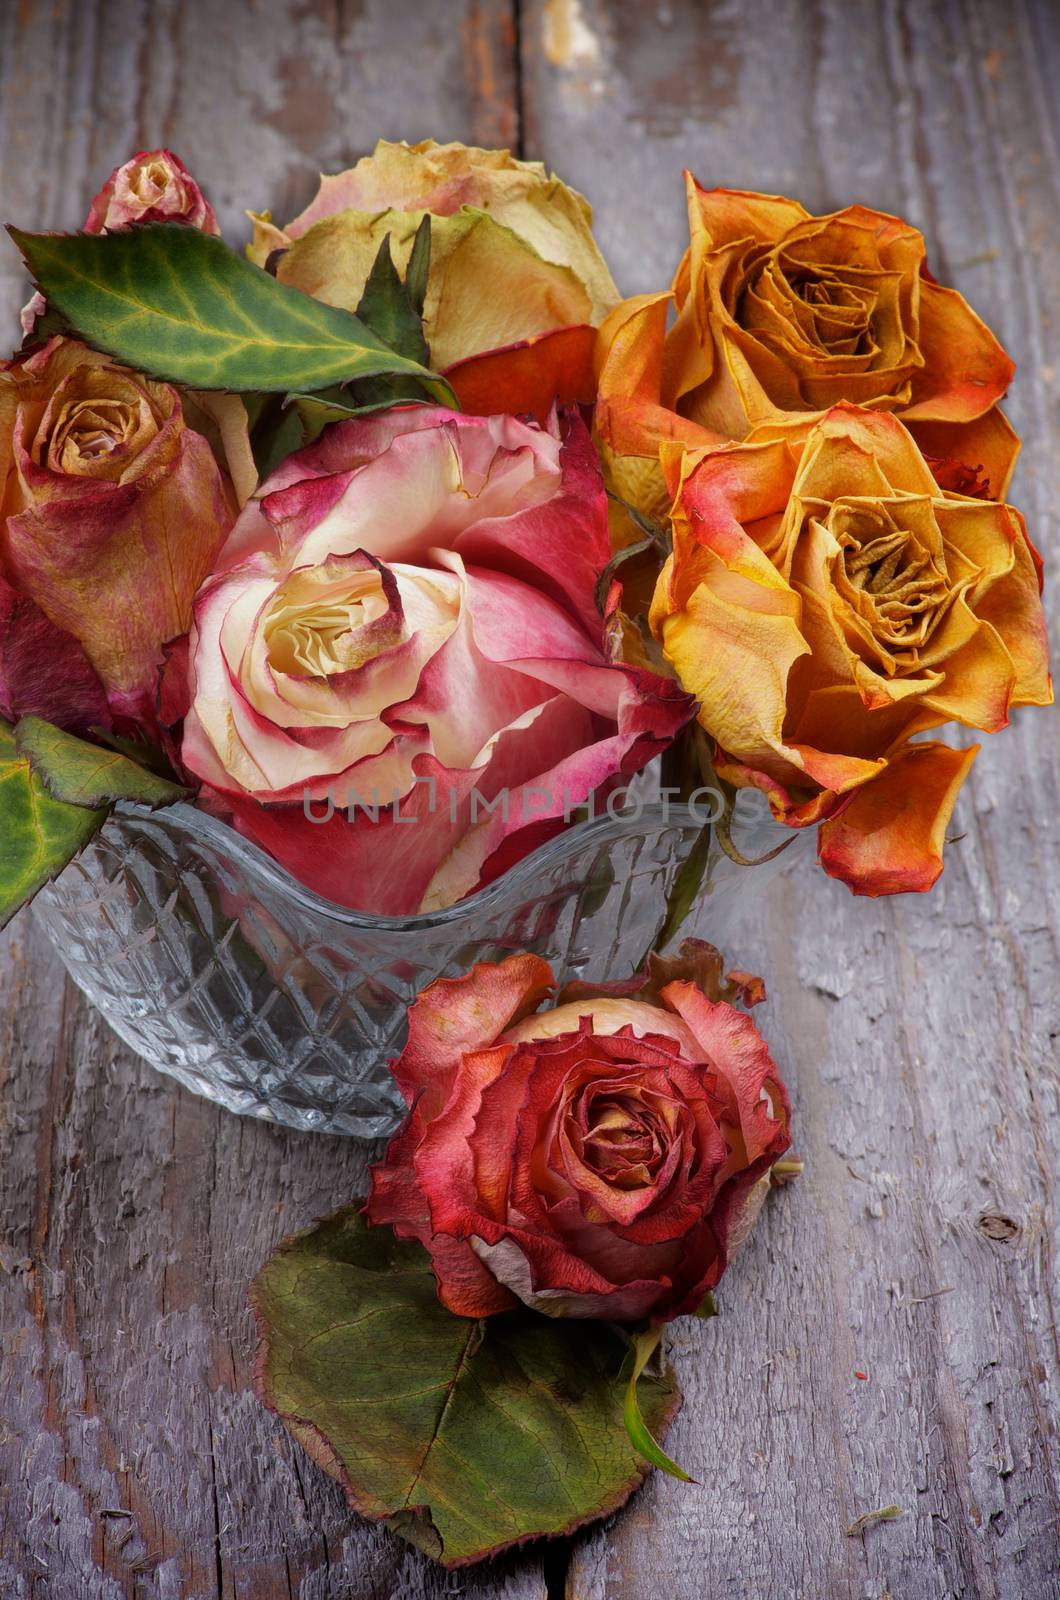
(889, 839)
(548, 369)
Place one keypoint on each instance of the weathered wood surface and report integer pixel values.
(919, 1036)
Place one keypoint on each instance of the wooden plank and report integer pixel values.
(920, 1037)
(134, 1460)
(920, 1034)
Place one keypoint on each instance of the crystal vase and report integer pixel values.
(218, 967)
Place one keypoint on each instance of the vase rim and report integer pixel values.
(650, 817)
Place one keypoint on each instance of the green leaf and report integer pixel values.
(169, 300)
(386, 306)
(38, 835)
(644, 1347)
(83, 774)
(706, 1307)
(280, 432)
(464, 1436)
(316, 412)
(138, 751)
(419, 266)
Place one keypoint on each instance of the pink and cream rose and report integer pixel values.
(152, 186)
(400, 634)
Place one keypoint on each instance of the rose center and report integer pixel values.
(149, 183)
(96, 423)
(788, 301)
(91, 430)
(895, 581)
(623, 1143)
(316, 628)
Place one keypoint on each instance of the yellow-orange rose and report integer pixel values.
(779, 316)
(826, 602)
(513, 257)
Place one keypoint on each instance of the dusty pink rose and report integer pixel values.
(112, 510)
(401, 627)
(152, 186)
(599, 1158)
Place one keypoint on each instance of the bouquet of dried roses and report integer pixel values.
(322, 537)
(396, 549)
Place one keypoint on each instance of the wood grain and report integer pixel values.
(919, 1036)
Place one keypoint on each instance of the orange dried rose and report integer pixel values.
(779, 316)
(827, 601)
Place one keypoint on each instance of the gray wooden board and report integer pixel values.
(919, 1036)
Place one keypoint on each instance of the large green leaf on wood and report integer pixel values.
(84, 774)
(464, 1436)
(169, 300)
(38, 835)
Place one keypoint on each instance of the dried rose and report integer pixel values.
(599, 1158)
(516, 279)
(781, 315)
(826, 602)
(152, 186)
(396, 676)
(111, 511)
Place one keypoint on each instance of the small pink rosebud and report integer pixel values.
(154, 186)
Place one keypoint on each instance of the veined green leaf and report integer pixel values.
(38, 835)
(83, 774)
(464, 1436)
(169, 300)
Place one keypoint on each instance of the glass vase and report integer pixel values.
(215, 965)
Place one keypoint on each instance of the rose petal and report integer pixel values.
(43, 671)
(529, 377)
(889, 838)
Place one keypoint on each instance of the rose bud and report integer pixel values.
(781, 315)
(827, 604)
(602, 1157)
(396, 680)
(153, 186)
(111, 512)
(495, 220)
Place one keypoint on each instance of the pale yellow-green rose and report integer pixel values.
(512, 250)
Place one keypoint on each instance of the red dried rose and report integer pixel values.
(598, 1159)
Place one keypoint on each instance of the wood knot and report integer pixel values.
(995, 1225)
